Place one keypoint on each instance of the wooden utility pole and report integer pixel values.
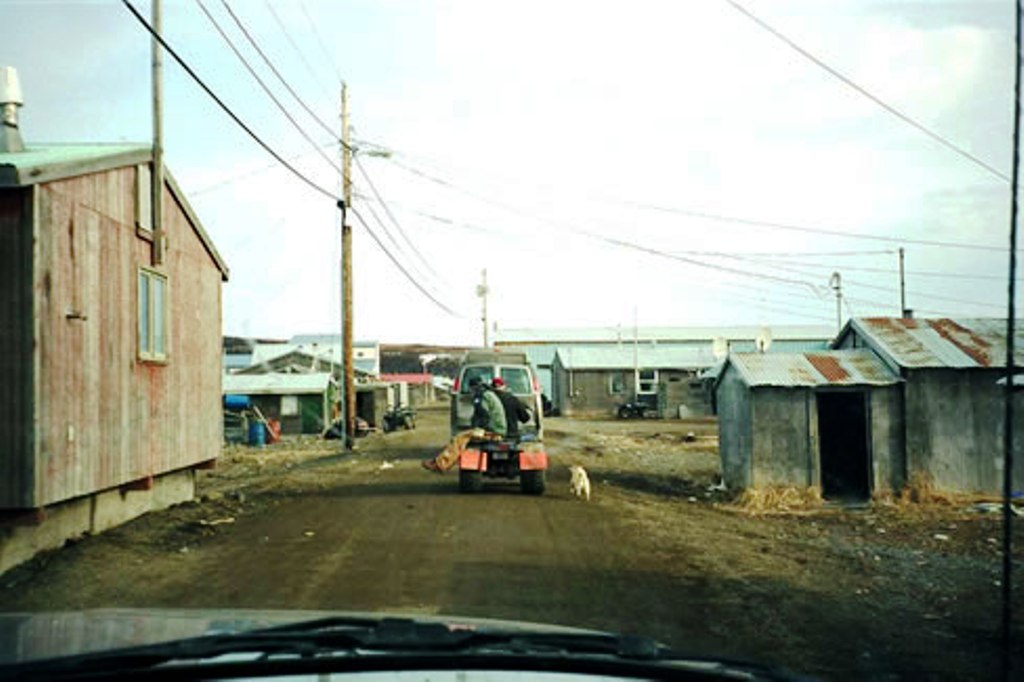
(348, 384)
(903, 292)
(157, 177)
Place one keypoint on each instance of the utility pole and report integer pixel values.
(903, 292)
(836, 283)
(157, 178)
(348, 385)
(482, 291)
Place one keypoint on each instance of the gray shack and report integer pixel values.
(826, 418)
(951, 397)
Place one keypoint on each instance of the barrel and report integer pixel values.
(257, 434)
(237, 402)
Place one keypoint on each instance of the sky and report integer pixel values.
(605, 162)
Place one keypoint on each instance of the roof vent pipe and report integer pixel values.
(10, 100)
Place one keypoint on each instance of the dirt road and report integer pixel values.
(887, 591)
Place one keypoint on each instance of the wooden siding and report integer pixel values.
(106, 418)
(16, 367)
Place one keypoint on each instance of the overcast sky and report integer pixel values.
(539, 141)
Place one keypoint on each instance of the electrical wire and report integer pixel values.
(277, 73)
(320, 41)
(266, 89)
(726, 218)
(874, 98)
(227, 110)
(252, 171)
(238, 121)
(391, 216)
(295, 46)
(398, 265)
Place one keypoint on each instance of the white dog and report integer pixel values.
(579, 485)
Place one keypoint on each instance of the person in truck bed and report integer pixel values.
(489, 423)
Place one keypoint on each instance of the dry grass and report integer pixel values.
(778, 500)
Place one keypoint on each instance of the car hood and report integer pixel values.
(36, 636)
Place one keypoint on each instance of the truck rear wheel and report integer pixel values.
(532, 482)
(470, 481)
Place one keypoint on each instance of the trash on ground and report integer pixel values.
(217, 522)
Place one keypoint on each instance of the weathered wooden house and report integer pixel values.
(595, 380)
(824, 419)
(110, 353)
(952, 404)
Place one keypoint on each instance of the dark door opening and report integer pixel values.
(843, 437)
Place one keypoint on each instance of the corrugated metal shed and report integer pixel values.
(858, 367)
(275, 384)
(942, 342)
(625, 335)
(647, 357)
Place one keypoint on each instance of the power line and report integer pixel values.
(227, 110)
(282, 79)
(814, 230)
(199, 81)
(387, 211)
(266, 89)
(252, 171)
(398, 265)
(892, 110)
(692, 213)
(320, 42)
(295, 46)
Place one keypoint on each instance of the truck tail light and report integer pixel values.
(455, 386)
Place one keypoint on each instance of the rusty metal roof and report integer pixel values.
(941, 342)
(856, 367)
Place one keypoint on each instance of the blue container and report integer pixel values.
(237, 402)
(257, 434)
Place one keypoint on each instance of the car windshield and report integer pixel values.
(743, 266)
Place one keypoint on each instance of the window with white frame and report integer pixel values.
(647, 381)
(617, 383)
(152, 322)
(289, 405)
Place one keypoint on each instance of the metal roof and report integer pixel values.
(55, 161)
(329, 352)
(855, 367)
(275, 384)
(38, 164)
(625, 334)
(647, 357)
(941, 342)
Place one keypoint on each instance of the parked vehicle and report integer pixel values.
(637, 409)
(399, 417)
(520, 380)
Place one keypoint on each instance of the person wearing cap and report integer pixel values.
(515, 411)
(489, 423)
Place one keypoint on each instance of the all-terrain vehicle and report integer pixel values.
(507, 458)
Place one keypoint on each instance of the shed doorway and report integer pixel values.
(843, 433)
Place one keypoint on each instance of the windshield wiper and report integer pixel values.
(346, 644)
